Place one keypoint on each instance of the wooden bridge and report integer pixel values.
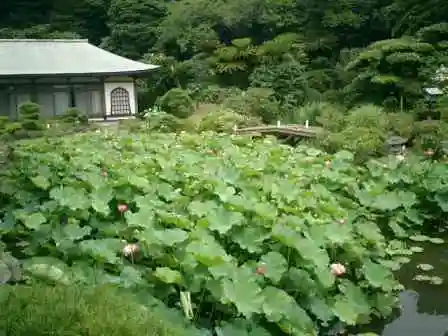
(289, 130)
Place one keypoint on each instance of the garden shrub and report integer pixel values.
(287, 80)
(12, 128)
(29, 117)
(429, 134)
(247, 237)
(178, 103)
(3, 121)
(311, 112)
(332, 118)
(256, 102)
(40, 310)
(364, 142)
(75, 116)
(442, 106)
(224, 120)
(362, 131)
(158, 120)
(367, 116)
(401, 124)
(213, 94)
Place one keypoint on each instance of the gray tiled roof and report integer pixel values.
(57, 57)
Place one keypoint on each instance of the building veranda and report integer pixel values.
(62, 74)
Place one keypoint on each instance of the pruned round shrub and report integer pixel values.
(29, 111)
(71, 310)
(29, 115)
(178, 103)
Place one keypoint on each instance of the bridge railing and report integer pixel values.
(287, 129)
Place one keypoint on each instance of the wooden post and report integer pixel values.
(307, 124)
(278, 123)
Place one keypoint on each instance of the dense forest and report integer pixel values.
(349, 51)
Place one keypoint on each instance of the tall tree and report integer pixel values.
(133, 26)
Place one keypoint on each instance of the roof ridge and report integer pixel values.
(45, 40)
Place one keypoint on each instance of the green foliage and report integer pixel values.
(429, 134)
(300, 50)
(75, 116)
(133, 25)
(40, 31)
(362, 131)
(10, 268)
(73, 310)
(442, 107)
(178, 103)
(158, 120)
(314, 112)
(213, 94)
(286, 79)
(131, 125)
(266, 60)
(12, 128)
(29, 116)
(256, 102)
(224, 120)
(225, 227)
(401, 124)
(391, 69)
(3, 122)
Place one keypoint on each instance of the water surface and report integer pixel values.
(424, 307)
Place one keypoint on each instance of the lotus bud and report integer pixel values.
(337, 269)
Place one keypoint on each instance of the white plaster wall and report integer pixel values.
(129, 86)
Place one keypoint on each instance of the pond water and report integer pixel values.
(424, 306)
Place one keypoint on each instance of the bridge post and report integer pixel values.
(278, 123)
(307, 124)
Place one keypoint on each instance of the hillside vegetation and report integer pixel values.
(213, 233)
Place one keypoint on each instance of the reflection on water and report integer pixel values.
(414, 323)
(424, 307)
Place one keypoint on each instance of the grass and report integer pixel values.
(76, 311)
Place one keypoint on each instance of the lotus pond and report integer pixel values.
(241, 237)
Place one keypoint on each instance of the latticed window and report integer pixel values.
(119, 102)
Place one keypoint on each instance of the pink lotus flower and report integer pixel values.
(122, 208)
(337, 269)
(130, 250)
(261, 270)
